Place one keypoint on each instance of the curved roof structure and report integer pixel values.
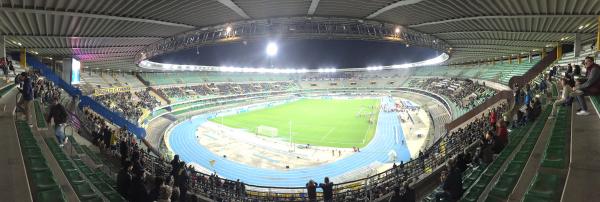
(107, 34)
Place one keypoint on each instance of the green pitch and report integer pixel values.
(333, 123)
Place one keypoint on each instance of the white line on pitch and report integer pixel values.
(330, 130)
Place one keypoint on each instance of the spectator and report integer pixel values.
(164, 194)
(486, 146)
(409, 194)
(453, 182)
(123, 149)
(577, 70)
(567, 85)
(137, 190)
(311, 188)
(175, 194)
(4, 67)
(327, 190)
(124, 179)
(590, 87)
(27, 96)
(502, 134)
(59, 114)
(154, 194)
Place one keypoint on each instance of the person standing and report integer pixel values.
(327, 187)
(59, 114)
(27, 96)
(311, 188)
(124, 179)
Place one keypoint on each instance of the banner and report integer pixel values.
(104, 91)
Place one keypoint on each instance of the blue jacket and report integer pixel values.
(27, 90)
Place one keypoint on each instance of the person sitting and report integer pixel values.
(591, 86)
(567, 86)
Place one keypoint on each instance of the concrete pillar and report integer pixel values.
(23, 61)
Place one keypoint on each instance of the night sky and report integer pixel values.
(309, 54)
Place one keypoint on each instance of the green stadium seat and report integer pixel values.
(545, 186)
(554, 158)
(43, 180)
(521, 156)
(37, 164)
(74, 177)
(84, 191)
(54, 195)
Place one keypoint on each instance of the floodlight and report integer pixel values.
(272, 49)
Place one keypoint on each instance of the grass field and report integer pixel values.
(333, 123)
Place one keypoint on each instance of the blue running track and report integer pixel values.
(388, 136)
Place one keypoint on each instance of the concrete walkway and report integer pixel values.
(14, 185)
(583, 179)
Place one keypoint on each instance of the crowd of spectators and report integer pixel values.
(224, 89)
(465, 93)
(146, 100)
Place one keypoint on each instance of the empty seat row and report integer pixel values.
(548, 183)
(41, 179)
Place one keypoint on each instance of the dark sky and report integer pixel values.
(302, 54)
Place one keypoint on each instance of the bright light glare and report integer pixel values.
(272, 49)
(228, 29)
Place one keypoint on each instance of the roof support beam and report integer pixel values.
(89, 15)
(499, 17)
(235, 8)
(499, 32)
(500, 41)
(392, 6)
(91, 37)
(313, 7)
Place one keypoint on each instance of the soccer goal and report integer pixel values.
(266, 131)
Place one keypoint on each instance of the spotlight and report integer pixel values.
(228, 29)
(397, 30)
(272, 49)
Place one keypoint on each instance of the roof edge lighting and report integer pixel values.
(175, 67)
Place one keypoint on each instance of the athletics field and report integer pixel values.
(338, 123)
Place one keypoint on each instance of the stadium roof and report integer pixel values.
(107, 34)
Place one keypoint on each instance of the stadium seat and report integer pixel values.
(544, 186)
(54, 194)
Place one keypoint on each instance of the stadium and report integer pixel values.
(299, 100)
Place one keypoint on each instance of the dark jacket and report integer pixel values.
(58, 113)
(592, 84)
(327, 191)
(312, 191)
(123, 182)
(409, 195)
(137, 190)
(27, 89)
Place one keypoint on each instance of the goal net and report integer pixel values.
(266, 131)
